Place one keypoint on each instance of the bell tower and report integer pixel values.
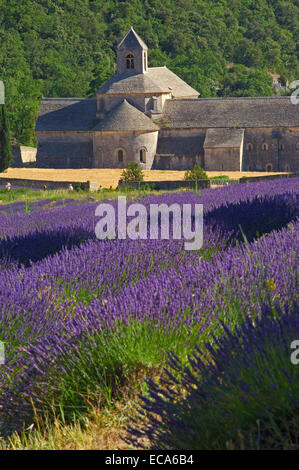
(131, 54)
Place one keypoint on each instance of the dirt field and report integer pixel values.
(109, 177)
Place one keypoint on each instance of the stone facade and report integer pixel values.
(135, 146)
(274, 148)
(151, 116)
(65, 149)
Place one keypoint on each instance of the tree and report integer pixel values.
(195, 174)
(5, 145)
(67, 48)
(132, 173)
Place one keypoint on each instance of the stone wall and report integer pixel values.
(40, 184)
(107, 144)
(23, 156)
(253, 179)
(64, 150)
(256, 158)
(139, 65)
(176, 162)
(167, 185)
(181, 142)
(189, 143)
(222, 159)
(170, 149)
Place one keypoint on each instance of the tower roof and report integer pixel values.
(125, 117)
(131, 41)
(156, 80)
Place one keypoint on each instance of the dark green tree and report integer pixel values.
(195, 174)
(132, 173)
(5, 145)
(67, 47)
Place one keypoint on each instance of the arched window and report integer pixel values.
(287, 167)
(269, 167)
(249, 147)
(130, 61)
(120, 155)
(264, 146)
(142, 155)
(281, 146)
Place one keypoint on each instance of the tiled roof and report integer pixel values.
(155, 80)
(231, 112)
(132, 41)
(66, 114)
(125, 117)
(223, 137)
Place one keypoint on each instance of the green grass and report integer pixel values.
(29, 195)
(110, 363)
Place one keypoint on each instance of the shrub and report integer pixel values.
(195, 174)
(241, 395)
(79, 187)
(221, 177)
(132, 173)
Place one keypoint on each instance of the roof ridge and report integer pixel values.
(231, 98)
(160, 67)
(45, 98)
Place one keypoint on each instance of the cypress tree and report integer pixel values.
(5, 145)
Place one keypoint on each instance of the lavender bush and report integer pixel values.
(81, 315)
(234, 397)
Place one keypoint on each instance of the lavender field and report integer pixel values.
(192, 330)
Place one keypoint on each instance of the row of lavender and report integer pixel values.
(243, 396)
(256, 208)
(48, 344)
(55, 313)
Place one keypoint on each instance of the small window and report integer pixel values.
(130, 61)
(249, 147)
(281, 146)
(269, 167)
(144, 60)
(264, 146)
(287, 167)
(250, 168)
(142, 155)
(120, 155)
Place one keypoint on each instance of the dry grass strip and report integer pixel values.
(109, 177)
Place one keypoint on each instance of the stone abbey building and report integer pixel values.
(151, 116)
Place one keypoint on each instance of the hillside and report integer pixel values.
(67, 47)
